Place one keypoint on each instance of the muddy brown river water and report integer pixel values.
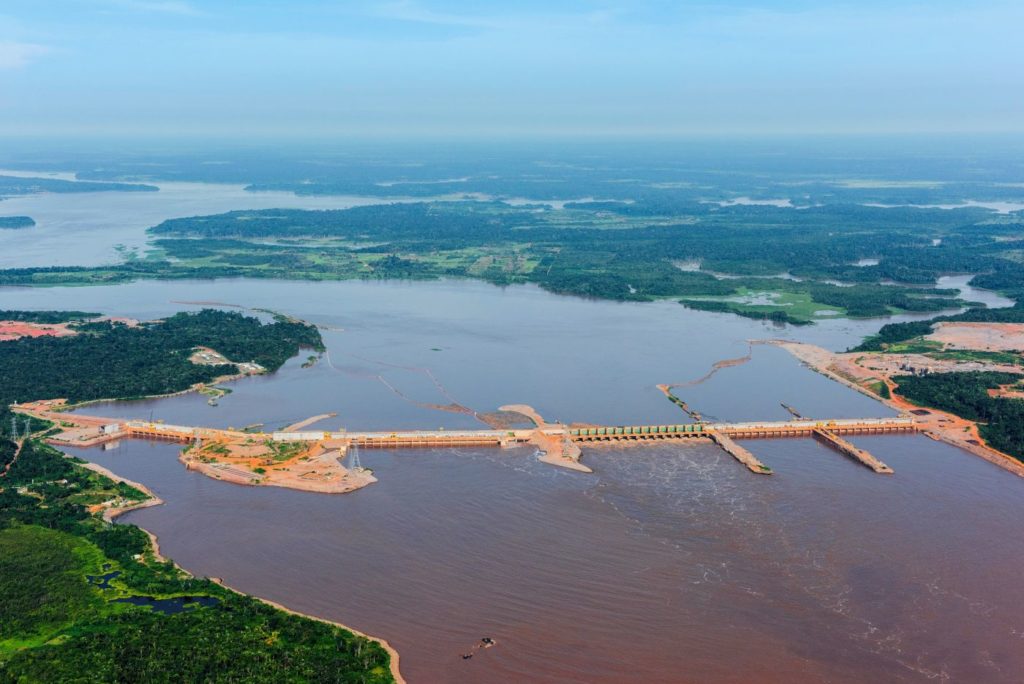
(671, 563)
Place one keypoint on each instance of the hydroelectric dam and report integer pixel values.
(564, 440)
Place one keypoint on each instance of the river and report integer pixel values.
(670, 563)
(97, 228)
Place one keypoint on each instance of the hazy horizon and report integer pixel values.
(411, 69)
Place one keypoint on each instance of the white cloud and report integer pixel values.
(18, 55)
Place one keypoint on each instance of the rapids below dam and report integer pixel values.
(671, 563)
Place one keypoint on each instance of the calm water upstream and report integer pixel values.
(669, 564)
(87, 229)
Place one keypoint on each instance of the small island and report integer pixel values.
(16, 222)
(25, 185)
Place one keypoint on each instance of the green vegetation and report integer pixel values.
(1003, 357)
(881, 389)
(59, 621)
(966, 395)
(918, 345)
(216, 448)
(16, 222)
(11, 185)
(802, 301)
(42, 580)
(116, 361)
(35, 425)
(46, 316)
(892, 334)
(7, 452)
(55, 622)
(282, 451)
(807, 259)
(767, 312)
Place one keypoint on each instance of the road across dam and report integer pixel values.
(565, 439)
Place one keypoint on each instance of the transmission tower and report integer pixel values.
(354, 463)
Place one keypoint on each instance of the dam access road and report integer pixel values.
(312, 460)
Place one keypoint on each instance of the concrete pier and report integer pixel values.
(854, 452)
(561, 443)
(739, 453)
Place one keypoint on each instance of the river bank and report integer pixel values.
(113, 512)
(940, 425)
(455, 544)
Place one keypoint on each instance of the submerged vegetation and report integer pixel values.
(70, 583)
(816, 261)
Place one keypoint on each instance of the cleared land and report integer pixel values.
(876, 374)
(979, 336)
(13, 330)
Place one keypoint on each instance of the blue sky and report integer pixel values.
(557, 68)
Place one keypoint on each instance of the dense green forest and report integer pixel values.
(59, 623)
(823, 257)
(1001, 421)
(16, 222)
(45, 316)
(117, 361)
(7, 451)
(763, 313)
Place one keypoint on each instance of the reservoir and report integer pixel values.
(94, 228)
(671, 563)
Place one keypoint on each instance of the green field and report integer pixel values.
(792, 307)
(1004, 357)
